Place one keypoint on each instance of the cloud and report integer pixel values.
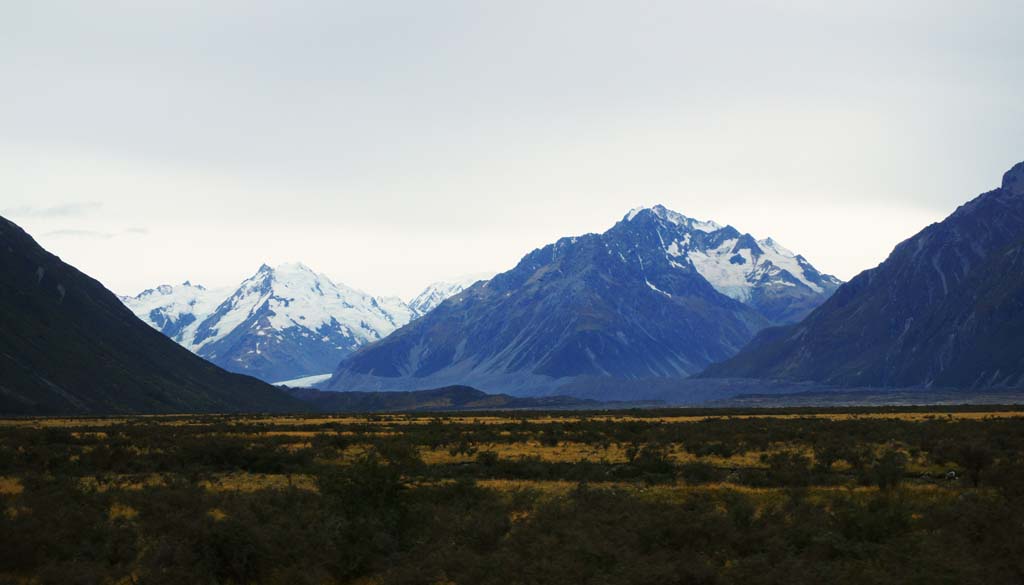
(90, 234)
(63, 210)
(94, 234)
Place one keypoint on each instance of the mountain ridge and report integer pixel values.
(946, 308)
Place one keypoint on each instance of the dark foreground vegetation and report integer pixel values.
(801, 496)
(447, 399)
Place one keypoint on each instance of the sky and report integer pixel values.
(390, 144)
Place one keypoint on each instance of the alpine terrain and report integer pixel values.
(176, 311)
(282, 323)
(437, 293)
(69, 346)
(659, 295)
(946, 309)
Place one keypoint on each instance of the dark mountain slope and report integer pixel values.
(945, 309)
(68, 346)
(566, 310)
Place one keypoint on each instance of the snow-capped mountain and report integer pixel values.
(658, 295)
(437, 293)
(781, 285)
(176, 311)
(281, 323)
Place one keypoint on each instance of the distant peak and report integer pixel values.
(1013, 180)
(293, 267)
(632, 213)
(656, 210)
(665, 214)
(283, 269)
(774, 245)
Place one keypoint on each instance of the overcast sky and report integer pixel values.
(390, 144)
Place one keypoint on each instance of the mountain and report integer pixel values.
(659, 295)
(282, 323)
(437, 293)
(289, 322)
(945, 309)
(781, 285)
(439, 399)
(176, 311)
(69, 346)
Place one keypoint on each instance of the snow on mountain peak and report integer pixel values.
(769, 244)
(673, 217)
(633, 213)
(175, 310)
(733, 263)
(438, 292)
(736, 270)
(293, 268)
(294, 295)
(282, 320)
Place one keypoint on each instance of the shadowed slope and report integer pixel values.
(68, 345)
(945, 309)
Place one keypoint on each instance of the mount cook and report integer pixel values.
(282, 323)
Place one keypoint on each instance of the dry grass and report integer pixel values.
(120, 511)
(227, 482)
(273, 423)
(563, 452)
(680, 491)
(123, 482)
(251, 482)
(10, 486)
(573, 452)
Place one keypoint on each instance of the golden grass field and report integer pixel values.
(296, 432)
(385, 421)
(521, 471)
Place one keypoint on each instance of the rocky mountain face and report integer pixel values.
(282, 323)
(69, 346)
(946, 309)
(658, 295)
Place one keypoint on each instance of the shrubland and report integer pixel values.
(842, 496)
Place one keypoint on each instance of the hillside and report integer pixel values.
(69, 346)
(945, 309)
